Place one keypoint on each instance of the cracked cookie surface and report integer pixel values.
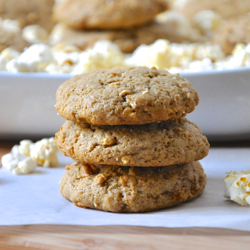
(131, 189)
(124, 96)
(157, 144)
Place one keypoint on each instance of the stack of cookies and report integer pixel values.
(127, 23)
(134, 149)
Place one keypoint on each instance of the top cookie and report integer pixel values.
(103, 14)
(125, 96)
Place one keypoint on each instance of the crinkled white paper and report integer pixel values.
(35, 199)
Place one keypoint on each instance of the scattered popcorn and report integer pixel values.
(10, 161)
(237, 187)
(44, 152)
(25, 166)
(24, 148)
(24, 158)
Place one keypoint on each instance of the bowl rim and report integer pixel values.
(45, 75)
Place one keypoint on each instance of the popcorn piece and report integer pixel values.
(35, 34)
(3, 62)
(25, 166)
(237, 187)
(103, 55)
(212, 52)
(33, 59)
(10, 161)
(24, 148)
(156, 54)
(66, 55)
(240, 57)
(15, 151)
(54, 68)
(10, 54)
(10, 25)
(7, 55)
(207, 21)
(57, 33)
(44, 152)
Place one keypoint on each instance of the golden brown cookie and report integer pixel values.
(127, 40)
(226, 8)
(28, 12)
(233, 31)
(103, 14)
(13, 39)
(125, 95)
(151, 145)
(131, 189)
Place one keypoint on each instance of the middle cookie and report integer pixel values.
(157, 144)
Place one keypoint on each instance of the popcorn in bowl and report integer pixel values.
(24, 158)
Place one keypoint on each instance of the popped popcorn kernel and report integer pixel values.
(10, 54)
(237, 187)
(207, 21)
(103, 55)
(9, 161)
(24, 158)
(44, 152)
(35, 34)
(25, 166)
(33, 59)
(10, 25)
(24, 148)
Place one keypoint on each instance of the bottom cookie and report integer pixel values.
(131, 189)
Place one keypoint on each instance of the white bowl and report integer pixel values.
(27, 104)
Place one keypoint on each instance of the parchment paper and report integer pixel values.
(35, 199)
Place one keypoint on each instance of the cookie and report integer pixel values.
(131, 189)
(231, 32)
(225, 8)
(103, 14)
(13, 39)
(125, 95)
(28, 12)
(158, 144)
(127, 40)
